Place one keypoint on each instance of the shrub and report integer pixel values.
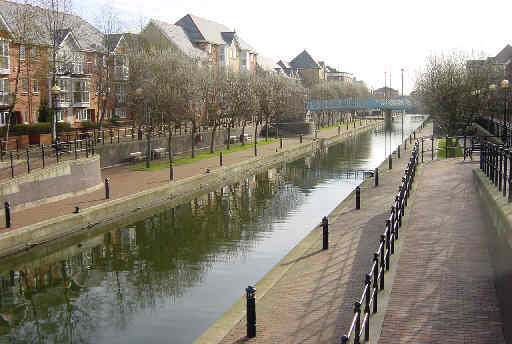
(19, 129)
(44, 112)
(39, 128)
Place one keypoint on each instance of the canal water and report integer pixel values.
(167, 278)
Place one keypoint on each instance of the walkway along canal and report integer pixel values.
(168, 277)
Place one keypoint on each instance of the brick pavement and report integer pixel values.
(444, 290)
(125, 181)
(313, 301)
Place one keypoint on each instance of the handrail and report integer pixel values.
(381, 257)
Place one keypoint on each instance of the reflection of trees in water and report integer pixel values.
(143, 265)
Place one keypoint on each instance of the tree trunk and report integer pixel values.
(169, 146)
(256, 138)
(229, 135)
(212, 141)
(242, 137)
(266, 126)
(193, 139)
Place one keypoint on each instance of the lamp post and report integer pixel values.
(55, 91)
(492, 90)
(403, 103)
(140, 98)
(504, 84)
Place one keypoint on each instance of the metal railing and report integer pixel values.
(374, 279)
(496, 163)
(19, 162)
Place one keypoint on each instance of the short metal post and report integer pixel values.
(107, 188)
(42, 154)
(118, 135)
(376, 176)
(220, 158)
(432, 147)
(12, 164)
(422, 151)
(28, 161)
(398, 151)
(300, 138)
(171, 172)
(390, 161)
(103, 136)
(325, 232)
(251, 311)
(281, 143)
(368, 283)
(111, 134)
(338, 130)
(7, 214)
(405, 145)
(358, 198)
(465, 148)
(505, 155)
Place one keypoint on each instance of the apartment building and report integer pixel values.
(89, 67)
(204, 39)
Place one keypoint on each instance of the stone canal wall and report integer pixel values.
(162, 196)
(55, 182)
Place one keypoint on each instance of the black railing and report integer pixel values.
(19, 162)
(496, 163)
(374, 280)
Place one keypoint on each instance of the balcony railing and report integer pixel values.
(4, 65)
(4, 98)
(70, 68)
(120, 73)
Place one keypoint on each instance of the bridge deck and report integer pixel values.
(444, 289)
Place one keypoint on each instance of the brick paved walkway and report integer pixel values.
(125, 182)
(313, 301)
(444, 290)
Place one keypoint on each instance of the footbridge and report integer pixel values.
(369, 103)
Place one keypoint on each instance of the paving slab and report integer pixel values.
(444, 289)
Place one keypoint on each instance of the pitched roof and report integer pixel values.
(283, 64)
(112, 41)
(200, 30)
(504, 55)
(177, 36)
(304, 61)
(88, 37)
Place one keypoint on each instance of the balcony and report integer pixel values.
(4, 99)
(73, 68)
(4, 65)
(121, 73)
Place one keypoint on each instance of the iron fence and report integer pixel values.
(374, 279)
(496, 163)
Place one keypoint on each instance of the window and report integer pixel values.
(24, 85)
(22, 52)
(3, 117)
(80, 91)
(65, 90)
(35, 86)
(120, 93)
(4, 91)
(82, 114)
(4, 54)
(59, 116)
(27, 119)
(121, 113)
(34, 53)
(34, 116)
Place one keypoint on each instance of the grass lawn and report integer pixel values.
(340, 125)
(454, 150)
(158, 165)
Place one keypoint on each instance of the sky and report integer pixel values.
(363, 37)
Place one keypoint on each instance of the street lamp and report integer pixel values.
(403, 103)
(492, 90)
(504, 84)
(55, 91)
(140, 98)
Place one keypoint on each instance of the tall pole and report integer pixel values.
(403, 103)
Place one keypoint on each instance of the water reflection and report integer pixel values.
(172, 274)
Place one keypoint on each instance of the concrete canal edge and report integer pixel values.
(221, 327)
(172, 193)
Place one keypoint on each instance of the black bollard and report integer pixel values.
(220, 158)
(281, 143)
(325, 228)
(251, 311)
(28, 161)
(339, 130)
(358, 197)
(390, 163)
(300, 138)
(77, 209)
(376, 176)
(107, 188)
(405, 145)
(12, 164)
(171, 172)
(398, 151)
(7, 215)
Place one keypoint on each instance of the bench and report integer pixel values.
(134, 156)
(158, 152)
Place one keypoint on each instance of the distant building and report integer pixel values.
(385, 92)
(497, 68)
